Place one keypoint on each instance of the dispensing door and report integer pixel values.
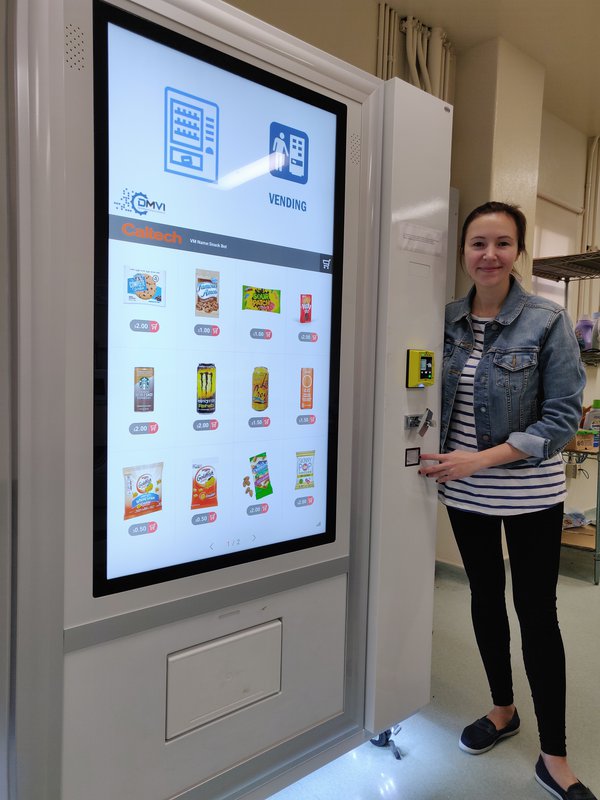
(412, 286)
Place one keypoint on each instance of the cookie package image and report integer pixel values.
(144, 287)
(207, 293)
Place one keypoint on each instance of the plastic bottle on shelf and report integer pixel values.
(592, 421)
(596, 331)
(583, 333)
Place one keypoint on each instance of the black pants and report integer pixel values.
(533, 542)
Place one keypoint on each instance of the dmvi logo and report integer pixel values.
(139, 203)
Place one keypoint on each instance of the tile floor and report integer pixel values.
(432, 767)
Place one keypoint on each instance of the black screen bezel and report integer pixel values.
(105, 14)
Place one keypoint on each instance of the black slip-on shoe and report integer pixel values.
(482, 735)
(576, 791)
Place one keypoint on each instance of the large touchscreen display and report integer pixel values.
(219, 211)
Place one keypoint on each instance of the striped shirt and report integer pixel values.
(496, 490)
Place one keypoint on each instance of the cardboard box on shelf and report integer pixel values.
(584, 441)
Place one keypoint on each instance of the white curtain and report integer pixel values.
(408, 49)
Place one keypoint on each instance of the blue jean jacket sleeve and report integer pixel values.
(562, 382)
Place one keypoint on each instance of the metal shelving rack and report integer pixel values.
(578, 267)
(576, 541)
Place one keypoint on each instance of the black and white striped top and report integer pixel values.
(496, 490)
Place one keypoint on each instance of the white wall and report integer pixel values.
(561, 186)
(563, 153)
(345, 28)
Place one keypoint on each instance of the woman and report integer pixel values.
(512, 391)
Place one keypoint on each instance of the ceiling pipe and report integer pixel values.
(590, 206)
(422, 35)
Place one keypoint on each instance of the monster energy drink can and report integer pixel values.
(206, 394)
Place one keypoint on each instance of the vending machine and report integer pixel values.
(225, 271)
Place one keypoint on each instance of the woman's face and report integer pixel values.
(491, 250)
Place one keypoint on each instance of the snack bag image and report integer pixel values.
(143, 490)
(260, 475)
(207, 293)
(256, 299)
(305, 478)
(144, 287)
(204, 487)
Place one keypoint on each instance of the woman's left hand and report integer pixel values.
(450, 466)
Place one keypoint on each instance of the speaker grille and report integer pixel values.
(355, 149)
(74, 47)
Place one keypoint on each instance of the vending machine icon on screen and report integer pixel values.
(191, 136)
(288, 153)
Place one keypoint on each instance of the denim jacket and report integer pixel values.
(529, 383)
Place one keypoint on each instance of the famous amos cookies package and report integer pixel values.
(207, 293)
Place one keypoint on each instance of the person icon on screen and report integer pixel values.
(280, 152)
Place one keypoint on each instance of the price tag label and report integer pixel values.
(260, 333)
(141, 528)
(205, 425)
(204, 519)
(301, 502)
(207, 330)
(257, 508)
(144, 325)
(259, 422)
(141, 428)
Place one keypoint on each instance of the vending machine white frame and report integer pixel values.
(5, 422)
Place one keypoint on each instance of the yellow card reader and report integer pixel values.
(419, 369)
